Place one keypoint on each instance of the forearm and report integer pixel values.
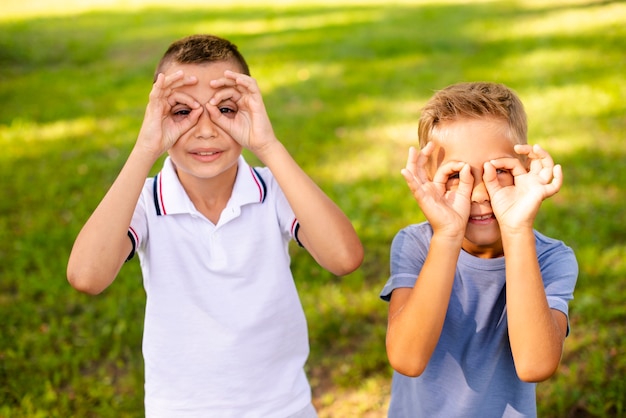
(536, 332)
(417, 315)
(102, 245)
(325, 231)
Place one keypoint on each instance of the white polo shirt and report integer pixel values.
(225, 333)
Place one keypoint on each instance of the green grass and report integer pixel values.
(343, 83)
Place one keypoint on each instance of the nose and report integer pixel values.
(205, 128)
(479, 191)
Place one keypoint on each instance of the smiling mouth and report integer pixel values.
(481, 217)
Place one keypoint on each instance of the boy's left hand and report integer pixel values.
(516, 206)
(249, 124)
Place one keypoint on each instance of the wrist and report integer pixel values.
(450, 239)
(144, 155)
(516, 231)
(267, 152)
(516, 236)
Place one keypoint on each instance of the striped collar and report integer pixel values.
(170, 196)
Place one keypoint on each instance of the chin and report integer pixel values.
(489, 247)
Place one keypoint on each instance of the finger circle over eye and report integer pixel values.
(447, 170)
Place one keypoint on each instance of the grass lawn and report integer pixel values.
(343, 83)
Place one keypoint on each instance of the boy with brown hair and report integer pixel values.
(478, 299)
(225, 334)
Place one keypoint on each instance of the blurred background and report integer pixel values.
(343, 83)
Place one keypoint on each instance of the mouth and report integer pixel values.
(480, 219)
(206, 153)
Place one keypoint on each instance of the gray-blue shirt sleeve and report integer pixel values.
(559, 270)
(408, 253)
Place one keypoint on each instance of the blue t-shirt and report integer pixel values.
(471, 372)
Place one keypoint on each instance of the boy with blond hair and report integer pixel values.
(478, 299)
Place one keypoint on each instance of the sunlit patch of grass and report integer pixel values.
(29, 131)
(369, 398)
(564, 21)
(375, 153)
(553, 111)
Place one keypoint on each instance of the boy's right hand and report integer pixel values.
(163, 125)
(446, 210)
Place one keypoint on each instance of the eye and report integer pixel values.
(180, 112)
(228, 111)
(453, 181)
(505, 178)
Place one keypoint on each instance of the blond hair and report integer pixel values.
(474, 100)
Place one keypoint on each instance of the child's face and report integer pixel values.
(205, 151)
(476, 141)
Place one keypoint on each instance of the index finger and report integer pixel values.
(535, 153)
(225, 93)
(448, 169)
(512, 164)
(416, 162)
(232, 79)
(165, 85)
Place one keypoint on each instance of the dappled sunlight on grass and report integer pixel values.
(376, 153)
(276, 24)
(553, 20)
(594, 352)
(274, 75)
(368, 399)
(553, 110)
(553, 60)
(595, 262)
(28, 131)
(28, 139)
(32, 8)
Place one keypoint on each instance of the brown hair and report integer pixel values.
(474, 100)
(200, 49)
